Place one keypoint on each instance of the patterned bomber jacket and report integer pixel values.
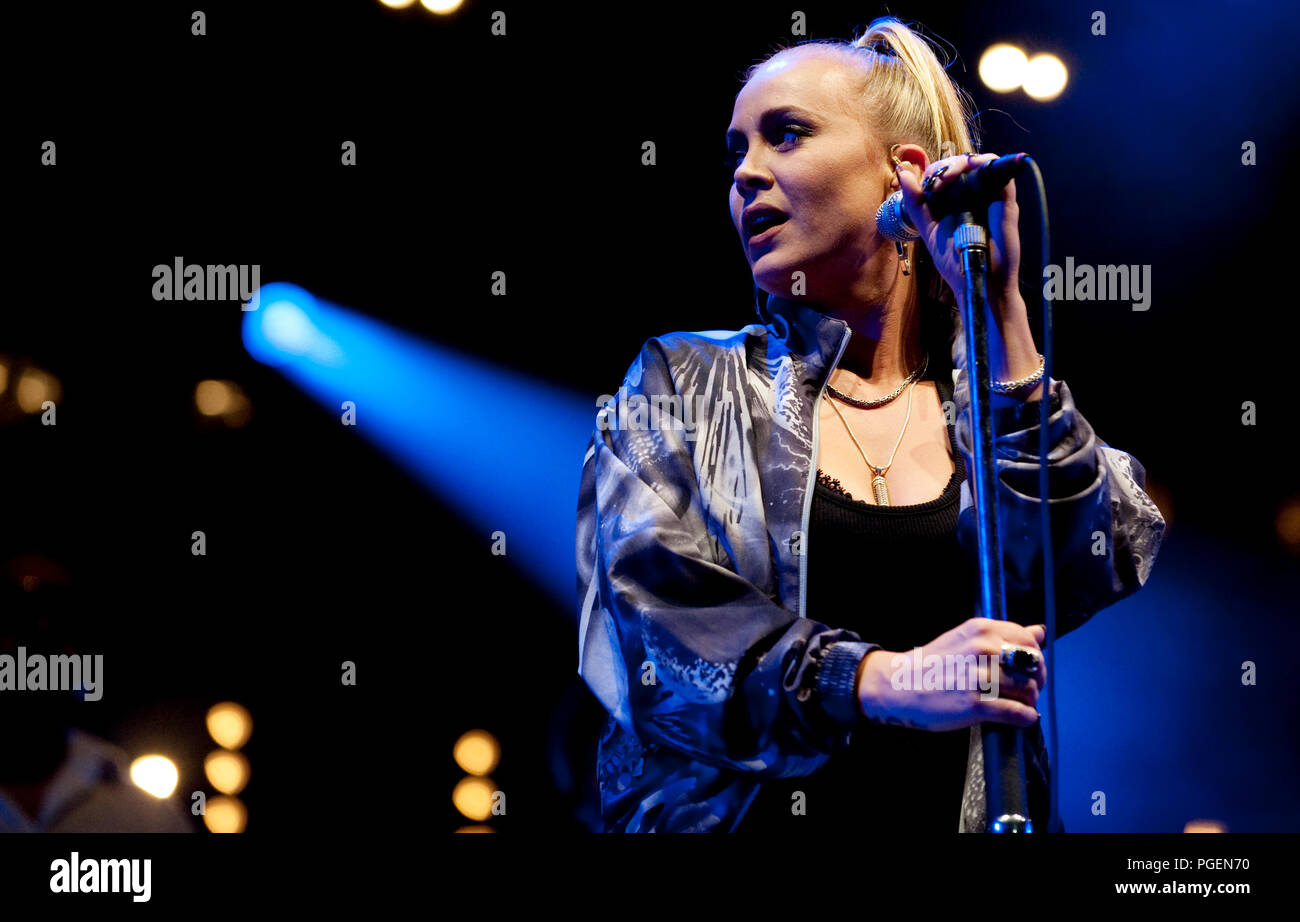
(692, 551)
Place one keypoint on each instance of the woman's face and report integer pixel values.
(799, 149)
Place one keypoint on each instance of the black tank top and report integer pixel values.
(907, 560)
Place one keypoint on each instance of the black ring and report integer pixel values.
(932, 177)
(939, 172)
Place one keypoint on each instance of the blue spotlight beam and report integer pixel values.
(501, 449)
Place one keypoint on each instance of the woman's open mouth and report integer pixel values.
(765, 226)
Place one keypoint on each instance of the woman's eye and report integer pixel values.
(788, 136)
(792, 133)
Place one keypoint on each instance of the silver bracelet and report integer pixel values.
(1009, 387)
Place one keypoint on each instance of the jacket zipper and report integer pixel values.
(812, 475)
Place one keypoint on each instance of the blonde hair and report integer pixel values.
(904, 92)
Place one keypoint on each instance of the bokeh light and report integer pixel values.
(155, 774)
(473, 797)
(227, 771)
(34, 387)
(1288, 524)
(225, 815)
(224, 399)
(477, 752)
(1045, 77)
(1002, 67)
(229, 724)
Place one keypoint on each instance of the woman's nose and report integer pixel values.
(748, 176)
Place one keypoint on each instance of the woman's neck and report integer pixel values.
(885, 346)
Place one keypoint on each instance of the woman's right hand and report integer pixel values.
(887, 692)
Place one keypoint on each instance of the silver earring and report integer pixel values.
(902, 254)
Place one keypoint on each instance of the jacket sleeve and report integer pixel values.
(680, 649)
(1106, 531)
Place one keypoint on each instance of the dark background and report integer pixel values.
(522, 152)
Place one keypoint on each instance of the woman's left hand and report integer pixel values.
(1003, 215)
(1012, 353)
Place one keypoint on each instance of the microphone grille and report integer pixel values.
(892, 221)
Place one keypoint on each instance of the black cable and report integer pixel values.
(1044, 411)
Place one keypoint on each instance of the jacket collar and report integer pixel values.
(803, 328)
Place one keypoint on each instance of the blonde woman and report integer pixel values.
(753, 597)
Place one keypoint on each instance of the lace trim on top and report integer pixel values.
(833, 483)
(949, 492)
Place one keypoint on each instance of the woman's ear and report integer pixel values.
(910, 157)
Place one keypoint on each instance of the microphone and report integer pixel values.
(892, 221)
(972, 190)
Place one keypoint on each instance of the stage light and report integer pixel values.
(441, 6)
(1205, 826)
(213, 397)
(34, 387)
(225, 815)
(1045, 77)
(283, 328)
(4, 377)
(477, 752)
(397, 4)
(1002, 67)
(1163, 499)
(478, 828)
(490, 442)
(155, 774)
(473, 797)
(229, 724)
(1288, 523)
(227, 771)
(224, 399)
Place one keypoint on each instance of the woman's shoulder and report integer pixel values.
(683, 351)
(708, 340)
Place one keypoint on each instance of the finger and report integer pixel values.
(912, 190)
(1010, 632)
(1024, 637)
(1006, 711)
(1026, 696)
(1040, 637)
(1019, 685)
(1005, 208)
(952, 167)
(996, 681)
(909, 179)
(1012, 679)
(999, 631)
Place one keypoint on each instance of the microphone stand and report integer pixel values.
(1003, 744)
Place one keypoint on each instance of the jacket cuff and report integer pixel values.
(1024, 414)
(837, 681)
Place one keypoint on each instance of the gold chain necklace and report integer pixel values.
(880, 401)
(878, 485)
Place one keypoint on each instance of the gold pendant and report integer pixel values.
(881, 490)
